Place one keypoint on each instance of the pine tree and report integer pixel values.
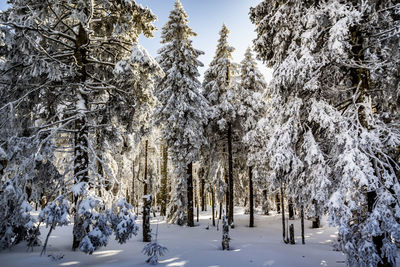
(183, 110)
(330, 110)
(219, 89)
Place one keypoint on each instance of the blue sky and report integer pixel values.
(206, 18)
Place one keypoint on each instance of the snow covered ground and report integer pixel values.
(259, 246)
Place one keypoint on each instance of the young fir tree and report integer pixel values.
(183, 110)
(219, 89)
(251, 108)
(72, 71)
(333, 130)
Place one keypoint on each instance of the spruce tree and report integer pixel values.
(251, 108)
(219, 89)
(332, 127)
(74, 72)
(183, 110)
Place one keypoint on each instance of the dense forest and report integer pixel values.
(98, 133)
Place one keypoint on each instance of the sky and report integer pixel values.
(206, 18)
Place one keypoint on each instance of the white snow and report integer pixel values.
(259, 246)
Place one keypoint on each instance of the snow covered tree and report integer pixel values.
(333, 130)
(219, 89)
(251, 107)
(183, 109)
(154, 250)
(73, 70)
(55, 214)
(225, 234)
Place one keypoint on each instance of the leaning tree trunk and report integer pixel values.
(230, 176)
(251, 197)
(189, 182)
(164, 181)
(81, 155)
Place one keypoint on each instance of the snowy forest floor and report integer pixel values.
(197, 246)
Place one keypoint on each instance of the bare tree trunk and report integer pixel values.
(203, 195)
(302, 225)
(230, 176)
(213, 205)
(278, 203)
(291, 234)
(251, 197)
(220, 210)
(291, 209)
(189, 181)
(164, 181)
(146, 146)
(265, 202)
(283, 216)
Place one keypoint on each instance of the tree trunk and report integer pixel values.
(220, 210)
(145, 167)
(278, 203)
(164, 181)
(213, 205)
(147, 199)
(265, 202)
(189, 182)
(230, 176)
(203, 195)
(226, 195)
(291, 234)
(251, 197)
(302, 225)
(317, 220)
(283, 216)
(291, 209)
(81, 156)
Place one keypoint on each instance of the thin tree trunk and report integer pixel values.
(302, 225)
(251, 197)
(145, 167)
(164, 181)
(226, 195)
(213, 205)
(230, 176)
(189, 181)
(203, 195)
(220, 210)
(283, 216)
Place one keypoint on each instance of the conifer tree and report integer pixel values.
(183, 110)
(332, 134)
(73, 70)
(219, 89)
(251, 107)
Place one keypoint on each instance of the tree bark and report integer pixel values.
(81, 156)
(164, 181)
(203, 195)
(291, 209)
(283, 216)
(220, 210)
(147, 199)
(251, 197)
(145, 167)
(213, 205)
(317, 220)
(291, 235)
(265, 202)
(189, 182)
(302, 225)
(230, 176)
(278, 203)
